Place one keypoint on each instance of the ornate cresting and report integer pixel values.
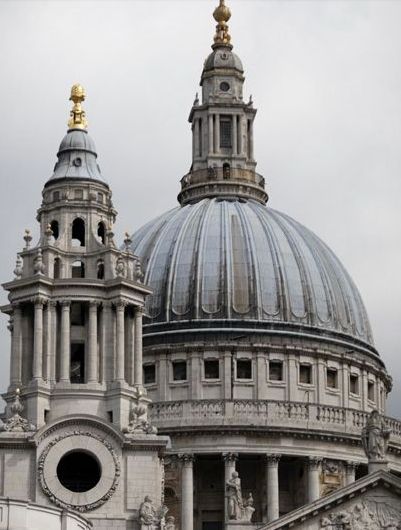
(77, 115)
(222, 15)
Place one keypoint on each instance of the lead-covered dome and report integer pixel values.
(237, 263)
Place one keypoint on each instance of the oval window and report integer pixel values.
(224, 86)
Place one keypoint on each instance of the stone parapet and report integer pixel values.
(244, 413)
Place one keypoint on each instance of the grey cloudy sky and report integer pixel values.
(325, 76)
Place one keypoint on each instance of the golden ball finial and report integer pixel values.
(222, 13)
(77, 115)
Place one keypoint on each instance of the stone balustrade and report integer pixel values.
(264, 413)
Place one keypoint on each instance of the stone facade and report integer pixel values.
(217, 371)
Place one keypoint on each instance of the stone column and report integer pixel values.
(138, 346)
(350, 470)
(272, 485)
(314, 464)
(53, 340)
(93, 349)
(235, 135)
(187, 493)
(107, 343)
(250, 139)
(197, 152)
(217, 133)
(120, 342)
(230, 460)
(65, 357)
(48, 342)
(16, 346)
(210, 147)
(131, 348)
(37, 368)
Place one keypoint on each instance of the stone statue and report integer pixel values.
(139, 423)
(365, 515)
(170, 523)
(248, 508)
(147, 515)
(234, 497)
(375, 438)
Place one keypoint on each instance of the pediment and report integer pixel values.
(371, 503)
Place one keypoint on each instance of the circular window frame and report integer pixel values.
(225, 86)
(87, 454)
(92, 444)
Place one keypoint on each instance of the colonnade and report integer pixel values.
(128, 341)
(240, 125)
(313, 465)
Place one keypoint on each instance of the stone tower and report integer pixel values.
(76, 306)
(222, 127)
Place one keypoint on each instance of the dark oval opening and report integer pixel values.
(78, 471)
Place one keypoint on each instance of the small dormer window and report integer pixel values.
(225, 132)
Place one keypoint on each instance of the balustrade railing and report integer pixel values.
(247, 412)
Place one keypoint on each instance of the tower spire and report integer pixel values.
(77, 114)
(222, 15)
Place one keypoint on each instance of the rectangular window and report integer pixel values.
(354, 384)
(77, 366)
(371, 390)
(332, 378)
(305, 374)
(149, 374)
(100, 197)
(275, 371)
(225, 131)
(56, 196)
(77, 314)
(179, 371)
(79, 194)
(244, 369)
(212, 369)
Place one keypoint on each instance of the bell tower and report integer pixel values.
(76, 301)
(223, 161)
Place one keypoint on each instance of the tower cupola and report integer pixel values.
(223, 163)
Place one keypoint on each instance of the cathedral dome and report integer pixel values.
(238, 264)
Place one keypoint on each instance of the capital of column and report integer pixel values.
(230, 458)
(187, 459)
(65, 303)
(120, 305)
(314, 462)
(39, 300)
(139, 310)
(272, 460)
(94, 304)
(52, 304)
(350, 467)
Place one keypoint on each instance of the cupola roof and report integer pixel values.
(77, 156)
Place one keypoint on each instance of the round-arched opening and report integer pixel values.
(78, 232)
(79, 471)
(101, 232)
(55, 229)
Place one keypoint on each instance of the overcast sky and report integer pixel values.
(324, 75)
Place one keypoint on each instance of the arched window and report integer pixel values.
(101, 232)
(226, 171)
(57, 268)
(78, 232)
(55, 229)
(78, 269)
(100, 270)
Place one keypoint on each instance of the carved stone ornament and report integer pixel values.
(365, 515)
(375, 437)
(149, 517)
(139, 423)
(18, 268)
(16, 423)
(237, 508)
(100, 496)
(170, 523)
(38, 265)
(138, 273)
(120, 267)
